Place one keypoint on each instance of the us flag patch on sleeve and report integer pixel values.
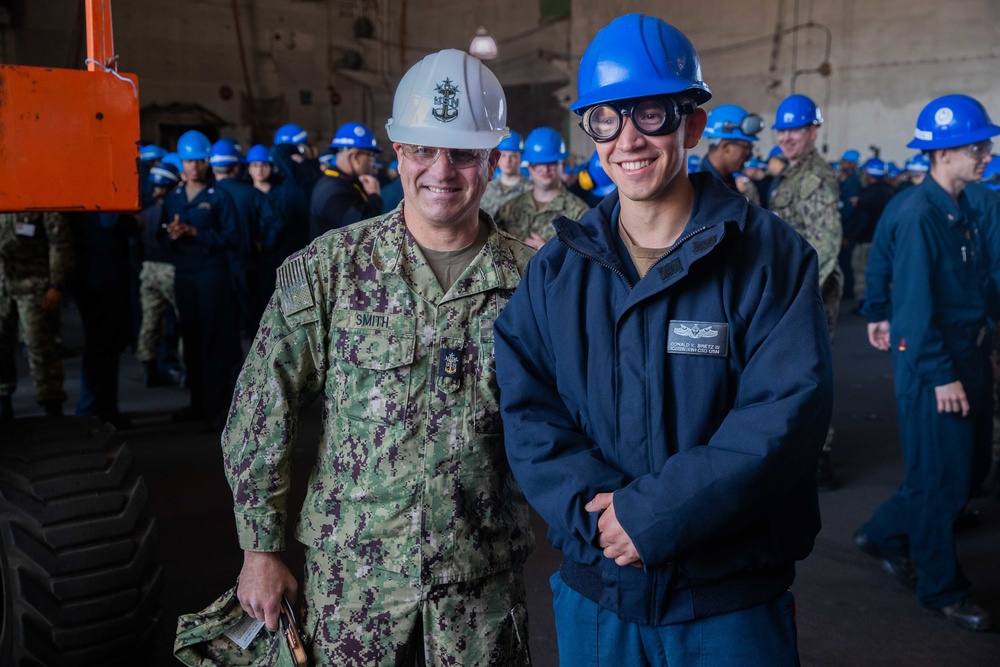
(294, 287)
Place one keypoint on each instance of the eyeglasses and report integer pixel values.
(743, 146)
(979, 149)
(650, 116)
(459, 158)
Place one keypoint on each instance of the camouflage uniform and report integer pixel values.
(495, 196)
(808, 198)
(156, 294)
(35, 254)
(521, 216)
(411, 492)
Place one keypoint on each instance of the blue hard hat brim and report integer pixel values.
(627, 90)
(954, 142)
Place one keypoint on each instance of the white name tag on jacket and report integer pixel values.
(24, 228)
(710, 339)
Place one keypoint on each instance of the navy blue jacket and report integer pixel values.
(212, 212)
(257, 220)
(700, 396)
(338, 201)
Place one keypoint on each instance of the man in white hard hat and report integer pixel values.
(415, 530)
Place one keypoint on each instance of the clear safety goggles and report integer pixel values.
(979, 149)
(650, 116)
(459, 158)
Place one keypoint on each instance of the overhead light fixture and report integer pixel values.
(483, 46)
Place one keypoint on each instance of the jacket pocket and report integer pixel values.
(375, 367)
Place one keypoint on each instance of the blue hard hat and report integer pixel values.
(755, 163)
(693, 163)
(991, 175)
(290, 134)
(173, 159)
(193, 145)
(638, 56)
(164, 174)
(796, 111)
(775, 152)
(544, 145)
(729, 121)
(513, 143)
(325, 158)
(919, 164)
(874, 167)
(354, 135)
(259, 153)
(151, 152)
(950, 121)
(851, 155)
(224, 153)
(394, 165)
(893, 169)
(594, 179)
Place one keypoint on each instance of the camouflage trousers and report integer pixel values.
(832, 291)
(358, 616)
(21, 303)
(156, 294)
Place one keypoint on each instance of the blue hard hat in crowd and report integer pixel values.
(259, 153)
(174, 159)
(638, 56)
(394, 165)
(851, 155)
(354, 135)
(290, 134)
(164, 174)
(775, 152)
(224, 153)
(693, 163)
(950, 121)
(594, 179)
(755, 163)
(919, 164)
(874, 167)
(514, 143)
(729, 121)
(991, 175)
(326, 158)
(796, 111)
(893, 169)
(151, 152)
(544, 145)
(193, 145)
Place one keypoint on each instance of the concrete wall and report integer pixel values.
(887, 57)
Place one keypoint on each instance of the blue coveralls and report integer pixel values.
(942, 299)
(205, 301)
(254, 214)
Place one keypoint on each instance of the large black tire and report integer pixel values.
(78, 569)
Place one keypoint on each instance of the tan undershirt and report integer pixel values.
(448, 265)
(642, 258)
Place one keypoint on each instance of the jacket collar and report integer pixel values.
(954, 213)
(720, 208)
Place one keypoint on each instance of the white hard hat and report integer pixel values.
(449, 100)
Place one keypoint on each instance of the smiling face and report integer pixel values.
(645, 167)
(441, 194)
(798, 142)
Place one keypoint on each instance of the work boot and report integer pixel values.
(152, 377)
(6, 409)
(52, 408)
(968, 615)
(897, 566)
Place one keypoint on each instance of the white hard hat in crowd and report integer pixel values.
(449, 100)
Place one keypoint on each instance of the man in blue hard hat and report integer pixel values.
(349, 191)
(199, 230)
(859, 228)
(932, 246)
(731, 132)
(528, 217)
(509, 181)
(666, 385)
(807, 198)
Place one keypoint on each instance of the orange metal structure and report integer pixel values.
(69, 139)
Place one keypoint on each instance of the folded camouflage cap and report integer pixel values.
(202, 642)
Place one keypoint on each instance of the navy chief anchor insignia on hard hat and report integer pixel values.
(447, 101)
